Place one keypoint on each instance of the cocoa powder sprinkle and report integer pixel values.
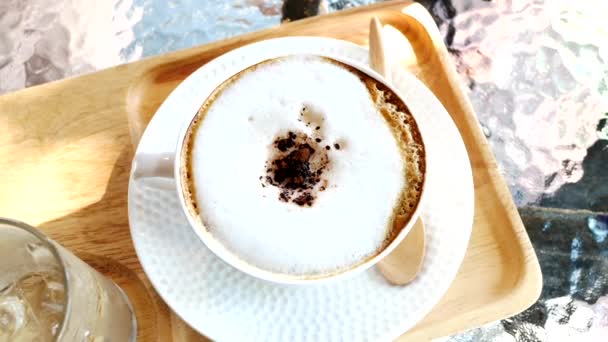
(296, 167)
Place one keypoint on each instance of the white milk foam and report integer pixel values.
(349, 221)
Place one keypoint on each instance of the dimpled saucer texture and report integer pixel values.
(226, 304)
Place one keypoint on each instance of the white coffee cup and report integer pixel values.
(170, 166)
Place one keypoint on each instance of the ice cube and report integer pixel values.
(12, 316)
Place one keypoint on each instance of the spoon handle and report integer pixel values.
(377, 51)
(402, 265)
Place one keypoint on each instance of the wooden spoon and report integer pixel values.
(403, 264)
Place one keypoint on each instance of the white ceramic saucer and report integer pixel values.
(227, 305)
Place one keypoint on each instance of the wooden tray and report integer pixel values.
(66, 149)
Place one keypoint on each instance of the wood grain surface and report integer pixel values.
(66, 150)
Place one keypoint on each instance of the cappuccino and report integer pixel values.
(303, 166)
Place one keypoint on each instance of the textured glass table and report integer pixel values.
(536, 72)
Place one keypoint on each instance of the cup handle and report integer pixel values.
(152, 165)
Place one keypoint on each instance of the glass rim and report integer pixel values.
(48, 243)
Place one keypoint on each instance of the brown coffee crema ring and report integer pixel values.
(395, 112)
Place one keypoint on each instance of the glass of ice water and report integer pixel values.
(48, 294)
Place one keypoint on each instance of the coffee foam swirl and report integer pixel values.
(359, 137)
